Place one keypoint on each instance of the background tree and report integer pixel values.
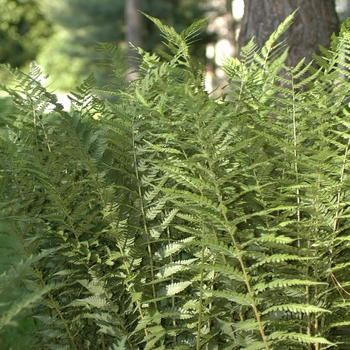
(62, 35)
(79, 25)
(134, 25)
(314, 24)
(347, 12)
(23, 31)
(343, 8)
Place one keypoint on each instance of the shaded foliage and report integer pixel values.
(23, 31)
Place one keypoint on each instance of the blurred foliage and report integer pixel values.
(23, 31)
(179, 14)
(79, 25)
(62, 35)
(6, 106)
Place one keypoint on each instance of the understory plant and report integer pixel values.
(164, 218)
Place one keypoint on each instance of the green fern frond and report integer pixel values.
(296, 308)
(115, 58)
(300, 337)
(172, 248)
(185, 222)
(282, 28)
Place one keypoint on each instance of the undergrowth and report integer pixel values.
(163, 218)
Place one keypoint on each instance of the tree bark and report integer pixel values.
(314, 23)
(133, 28)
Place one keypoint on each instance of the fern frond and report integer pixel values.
(300, 337)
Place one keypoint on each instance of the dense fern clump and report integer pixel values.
(163, 218)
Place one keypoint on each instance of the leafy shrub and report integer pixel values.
(166, 219)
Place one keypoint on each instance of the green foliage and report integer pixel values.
(78, 26)
(167, 219)
(23, 31)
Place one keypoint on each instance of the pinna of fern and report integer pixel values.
(55, 198)
(280, 215)
(309, 130)
(183, 221)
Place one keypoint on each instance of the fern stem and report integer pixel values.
(295, 144)
(172, 281)
(298, 199)
(42, 126)
(248, 285)
(251, 294)
(57, 309)
(315, 250)
(143, 213)
(200, 306)
(341, 180)
(103, 341)
(239, 256)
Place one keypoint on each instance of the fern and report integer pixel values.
(179, 221)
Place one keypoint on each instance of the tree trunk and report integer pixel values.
(314, 23)
(347, 9)
(230, 35)
(133, 28)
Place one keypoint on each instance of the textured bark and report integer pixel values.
(314, 23)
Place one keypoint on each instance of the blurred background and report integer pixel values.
(61, 35)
